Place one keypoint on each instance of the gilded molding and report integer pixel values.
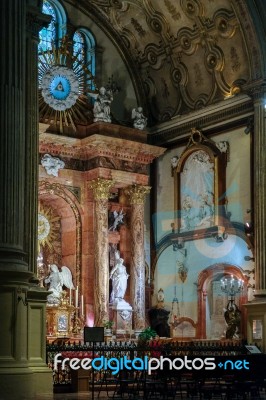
(137, 271)
(100, 188)
(137, 193)
(101, 293)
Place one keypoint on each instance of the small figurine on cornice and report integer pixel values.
(222, 146)
(101, 109)
(52, 165)
(174, 161)
(140, 121)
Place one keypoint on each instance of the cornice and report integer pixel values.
(98, 145)
(210, 117)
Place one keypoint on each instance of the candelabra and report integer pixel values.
(231, 287)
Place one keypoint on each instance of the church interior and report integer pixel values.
(133, 175)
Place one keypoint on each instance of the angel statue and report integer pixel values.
(117, 218)
(56, 281)
(140, 121)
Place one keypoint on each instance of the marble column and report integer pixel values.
(34, 22)
(260, 190)
(22, 303)
(100, 188)
(136, 196)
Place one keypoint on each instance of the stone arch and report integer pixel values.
(204, 278)
(55, 189)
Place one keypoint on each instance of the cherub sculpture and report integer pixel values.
(101, 109)
(52, 164)
(56, 281)
(140, 121)
(117, 219)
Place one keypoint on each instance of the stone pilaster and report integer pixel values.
(136, 196)
(100, 188)
(260, 190)
(256, 310)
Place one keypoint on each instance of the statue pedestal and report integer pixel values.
(122, 312)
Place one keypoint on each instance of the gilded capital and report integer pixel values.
(137, 193)
(101, 188)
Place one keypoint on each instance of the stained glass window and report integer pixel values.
(48, 35)
(79, 47)
(84, 51)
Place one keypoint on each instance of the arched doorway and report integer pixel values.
(212, 301)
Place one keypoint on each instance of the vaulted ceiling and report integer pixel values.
(182, 54)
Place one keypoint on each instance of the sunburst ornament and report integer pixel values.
(48, 228)
(43, 228)
(64, 83)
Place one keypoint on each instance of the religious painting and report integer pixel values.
(197, 191)
(62, 323)
(200, 184)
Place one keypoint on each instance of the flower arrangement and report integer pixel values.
(108, 324)
(147, 334)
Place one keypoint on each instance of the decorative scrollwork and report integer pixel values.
(211, 60)
(176, 76)
(156, 25)
(152, 57)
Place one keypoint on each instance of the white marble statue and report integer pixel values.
(117, 220)
(140, 121)
(119, 277)
(56, 281)
(101, 109)
(52, 164)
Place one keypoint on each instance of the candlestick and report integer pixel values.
(70, 297)
(77, 296)
(82, 305)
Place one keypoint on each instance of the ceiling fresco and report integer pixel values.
(183, 55)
